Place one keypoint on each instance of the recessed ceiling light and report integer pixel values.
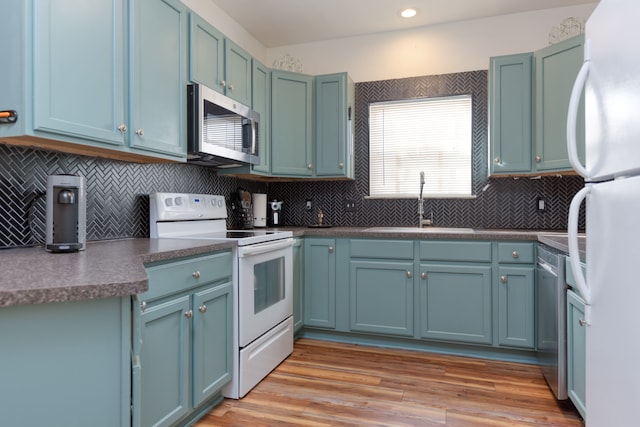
(408, 13)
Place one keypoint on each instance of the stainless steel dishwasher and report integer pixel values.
(551, 311)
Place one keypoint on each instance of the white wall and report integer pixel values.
(447, 48)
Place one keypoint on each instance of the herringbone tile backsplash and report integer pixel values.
(118, 206)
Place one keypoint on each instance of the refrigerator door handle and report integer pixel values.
(574, 252)
(572, 117)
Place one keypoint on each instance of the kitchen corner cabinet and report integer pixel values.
(291, 124)
(557, 67)
(97, 94)
(334, 109)
(182, 343)
(320, 283)
(576, 350)
(510, 115)
(66, 364)
(298, 282)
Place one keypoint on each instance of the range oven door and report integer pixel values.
(265, 287)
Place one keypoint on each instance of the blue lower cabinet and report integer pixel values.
(576, 349)
(455, 303)
(320, 283)
(516, 302)
(381, 297)
(66, 364)
(182, 340)
(298, 281)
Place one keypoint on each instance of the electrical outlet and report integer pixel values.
(350, 205)
(542, 205)
(308, 207)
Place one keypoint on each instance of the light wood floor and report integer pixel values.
(331, 384)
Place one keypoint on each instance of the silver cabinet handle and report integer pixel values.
(538, 159)
(196, 274)
(140, 132)
(581, 322)
(143, 306)
(202, 309)
(310, 166)
(330, 249)
(122, 128)
(515, 254)
(496, 160)
(409, 275)
(340, 165)
(223, 83)
(189, 314)
(503, 279)
(423, 276)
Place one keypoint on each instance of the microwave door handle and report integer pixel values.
(262, 248)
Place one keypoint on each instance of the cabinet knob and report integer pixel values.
(195, 274)
(143, 306)
(310, 166)
(503, 279)
(496, 160)
(230, 87)
(223, 83)
(423, 275)
(515, 254)
(330, 249)
(122, 128)
(409, 275)
(140, 132)
(538, 159)
(202, 309)
(340, 165)
(189, 314)
(581, 322)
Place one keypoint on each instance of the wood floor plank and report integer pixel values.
(334, 384)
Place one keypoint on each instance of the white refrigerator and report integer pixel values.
(610, 78)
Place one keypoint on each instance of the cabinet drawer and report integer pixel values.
(385, 249)
(456, 251)
(172, 277)
(516, 253)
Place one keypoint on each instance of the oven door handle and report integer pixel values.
(261, 248)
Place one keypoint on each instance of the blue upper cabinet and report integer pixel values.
(158, 76)
(261, 103)
(237, 65)
(206, 53)
(79, 69)
(510, 82)
(334, 99)
(291, 124)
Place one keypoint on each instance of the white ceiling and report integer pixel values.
(285, 22)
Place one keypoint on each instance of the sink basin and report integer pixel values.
(419, 230)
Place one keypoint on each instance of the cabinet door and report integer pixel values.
(320, 283)
(455, 303)
(237, 74)
(298, 281)
(510, 86)
(158, 49)
(206, 53)
(261, 103)
(79, 69)
(332, 123)
(212, 340)
(381, 297)
(164, 363)
(516, 314)
(291, 124)
(576, 352)
(556, 69)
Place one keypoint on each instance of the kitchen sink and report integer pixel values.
(419, 230)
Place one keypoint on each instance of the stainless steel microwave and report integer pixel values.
(220, 131)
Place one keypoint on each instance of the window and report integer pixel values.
(430, 135)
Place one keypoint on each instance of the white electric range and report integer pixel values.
(262, 280)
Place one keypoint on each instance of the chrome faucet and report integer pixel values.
(421, 220)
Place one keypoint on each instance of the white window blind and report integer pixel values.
(428, 134)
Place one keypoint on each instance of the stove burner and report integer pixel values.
(239, 234)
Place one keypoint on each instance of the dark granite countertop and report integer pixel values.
(105, 269)
(116, 267)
